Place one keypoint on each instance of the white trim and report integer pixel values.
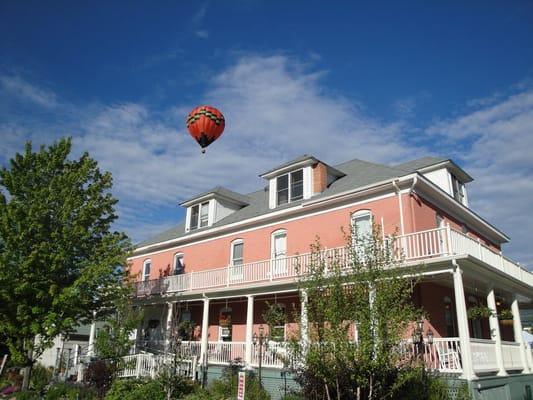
(308, 182)
(232, 247)
(289, 168)
(249, 221)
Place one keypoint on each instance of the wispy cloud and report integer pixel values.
(20, 88)
(201, 33)
(276, 109)
(200, 14)
(495, 144)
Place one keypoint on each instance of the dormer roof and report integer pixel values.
(299, 162)
(220, 193)
(428, 164)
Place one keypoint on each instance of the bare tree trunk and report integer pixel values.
(370, 388)
(27, 369)
(338, 389)
(358, 391)
(327, 390)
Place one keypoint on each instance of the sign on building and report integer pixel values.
(241, 385)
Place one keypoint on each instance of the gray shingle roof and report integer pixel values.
(414, 165)
(222, 191)
(358, 173)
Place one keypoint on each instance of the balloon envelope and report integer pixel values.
(205, 125)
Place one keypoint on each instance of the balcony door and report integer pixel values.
(279, 252)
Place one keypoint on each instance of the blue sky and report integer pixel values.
(383, 82)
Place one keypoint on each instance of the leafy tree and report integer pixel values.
(59, 258)
(359, 308)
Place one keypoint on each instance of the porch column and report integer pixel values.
(462, 324)
(205, 333)
(517, 327)
(495, 332)
(92, 336)
(304, 320)
(249, 331)
(168, 332)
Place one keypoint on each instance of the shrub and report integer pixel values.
(135, 389)
(68, 391)
(40, 377)
(99, 375)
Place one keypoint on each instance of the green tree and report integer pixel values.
(59, 258)
(358, 309)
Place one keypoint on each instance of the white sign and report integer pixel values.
(241, 385)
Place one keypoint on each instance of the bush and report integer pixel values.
(226, 386)
(135, 389)
(40, 378)
(99, 375)
(68, 391)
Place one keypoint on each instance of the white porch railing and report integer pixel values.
(442, 355)
(150, 365)
(413, 246)
(483, 355)
(511, 356)
(225, 352)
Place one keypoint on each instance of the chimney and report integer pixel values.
(320, 178)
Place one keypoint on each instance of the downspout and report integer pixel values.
(400, 205)
(411, 190)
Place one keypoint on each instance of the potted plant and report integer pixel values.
(505, 316)
(275, 317)
(480, 312)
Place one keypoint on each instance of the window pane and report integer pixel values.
(194, 217)
(178, 264)
(146, 272)
(297, 185)
(363, 225)
(204, 214)
(283, 189)
(237, 253)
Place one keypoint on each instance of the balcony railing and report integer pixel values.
(443, 355)
(412, 247)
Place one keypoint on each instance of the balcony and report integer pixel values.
(413, 247)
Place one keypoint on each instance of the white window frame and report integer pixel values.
(179, 256)
(236, 271)
(358, 250)
(358, 214)
(278, 264)
(458, 190)
(145, 276)
(200, 223)
(289, 186)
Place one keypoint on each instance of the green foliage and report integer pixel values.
(67, 391)
(274, 315)
(40, 377)
(505, 314)
(364, 285)
(59, 259)
(114, 339)
(140, 389)
(479, 312)
(226, 387)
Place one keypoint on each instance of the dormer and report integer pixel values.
(210, 207)
(449, 177)
(299, 179)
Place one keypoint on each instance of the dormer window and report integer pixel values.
(458, 189)
(290, 187)
(199, 215)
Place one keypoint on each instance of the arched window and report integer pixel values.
(179, 265)
(147, 266)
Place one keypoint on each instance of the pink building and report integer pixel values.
(235, 252)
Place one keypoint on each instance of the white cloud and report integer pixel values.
(277, 108)
(495, 143)
(24, 90)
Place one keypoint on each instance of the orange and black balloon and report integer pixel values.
(205, 124)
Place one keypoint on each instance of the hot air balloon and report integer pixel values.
(205, 124)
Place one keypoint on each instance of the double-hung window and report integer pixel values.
(458, 190)
(237, 258)
(361, 232)
(199, 215)
(290, 187)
